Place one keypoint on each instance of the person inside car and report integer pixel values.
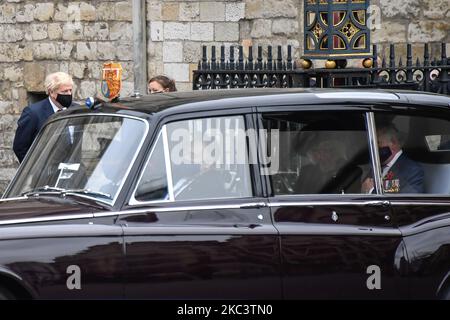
(400, 174)
(329, 172)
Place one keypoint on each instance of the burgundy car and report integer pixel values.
(236, 194)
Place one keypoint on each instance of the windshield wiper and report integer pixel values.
(61, 191)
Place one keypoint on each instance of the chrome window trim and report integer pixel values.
(180, 208)
(132, 162)
(47, 219)
(13, 199)
(163, 132)
(373, 149)
(168, 164)
(133, 200)
(323, 203)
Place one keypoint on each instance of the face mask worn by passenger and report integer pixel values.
(64, 99)
(385, 153)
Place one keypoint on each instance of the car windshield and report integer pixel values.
(86, 155)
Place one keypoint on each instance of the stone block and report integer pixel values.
(44, 51)
(72, 31)
(192, 52)
(95, 69)
(170, 11)
(122, 31)
(127, 89)
(404, 9)
(87, 89)
(436, 9)
(155, 50)
(281, 9)
(189, 11)
(427, 31)
(77, 69)
(177, 71)
(87, 12)
(184, 86)
(11, 33)
(254, 9)
(123, 11)
(86, 51)
(64, 50)
(226, 31)
(212, 11)
(285, 27)
(7, 13)
(13, 73)
(176, 31)
(154, 11)
(172, 51)
(34, 76)
(234, 11)
(202, 31)
(39, 31)
(44, 11)
(106, 50)
(392, 32)
(157, 31)
(261, 28)
(105, 11)
(124, 52)
(25, 13)
(96, 31)
(54, 31)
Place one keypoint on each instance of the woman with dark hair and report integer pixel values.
(160, 84)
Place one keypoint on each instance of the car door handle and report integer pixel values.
(255, 205)
(382, 204)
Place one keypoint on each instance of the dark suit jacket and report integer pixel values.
(313, 180)
(409, 174)
(30, 122)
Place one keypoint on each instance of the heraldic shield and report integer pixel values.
(111, 80)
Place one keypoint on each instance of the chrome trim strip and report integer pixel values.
(324, 203)
(174, 209)
(45, 219)
(13, 199)
(373, 147)
(168, 164)
(420, 203)
(133, 200)
(288, 228)
(227, 231)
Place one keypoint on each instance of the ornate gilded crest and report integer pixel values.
(111, 80)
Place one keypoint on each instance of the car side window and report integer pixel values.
(317, 152)
(414, 153)
(209, 158)
(153, 184)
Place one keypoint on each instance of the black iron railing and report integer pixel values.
(276, 71)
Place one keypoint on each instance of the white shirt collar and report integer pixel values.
(55, 108)
(389, 165)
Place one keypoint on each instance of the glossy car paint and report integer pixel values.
(297, 249)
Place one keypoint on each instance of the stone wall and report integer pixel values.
(39, 37)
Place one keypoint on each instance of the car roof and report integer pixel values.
(203, 100)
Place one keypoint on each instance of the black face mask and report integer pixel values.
(64, 99)
(385, 153)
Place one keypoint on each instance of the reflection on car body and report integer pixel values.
(240, 194)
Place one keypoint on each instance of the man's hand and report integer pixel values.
(367, 185)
